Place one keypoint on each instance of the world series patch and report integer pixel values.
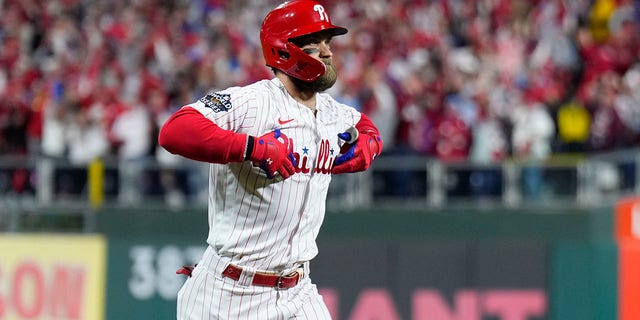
(218, 102)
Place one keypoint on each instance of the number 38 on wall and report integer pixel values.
(153, 269)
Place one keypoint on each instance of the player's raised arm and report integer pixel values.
(190, 134)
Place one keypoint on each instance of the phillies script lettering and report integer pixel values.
(324, 161)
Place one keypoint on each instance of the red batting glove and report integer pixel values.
(271, 154)
(357, 155)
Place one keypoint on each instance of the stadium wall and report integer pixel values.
(373, 264)
(397, 264)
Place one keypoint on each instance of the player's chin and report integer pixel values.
(328, 79)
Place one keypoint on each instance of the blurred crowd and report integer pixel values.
(457, 80)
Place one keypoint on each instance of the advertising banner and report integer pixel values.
(359, 280)
(49, 276)
(458, 266)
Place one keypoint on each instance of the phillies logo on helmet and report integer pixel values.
(324, 161)
(323, 14)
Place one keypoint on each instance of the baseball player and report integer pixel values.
(273, 146)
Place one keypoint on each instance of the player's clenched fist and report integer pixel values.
(272, 152)
(362, 146)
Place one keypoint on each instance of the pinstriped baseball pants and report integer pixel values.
(209, 295)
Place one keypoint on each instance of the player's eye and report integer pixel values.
(314, 38)
(315, 45)
(312, 43)
(310, 50)
(304, 41)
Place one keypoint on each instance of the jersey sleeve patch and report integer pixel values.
(218, 102)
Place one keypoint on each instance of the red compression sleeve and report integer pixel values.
(190, 134)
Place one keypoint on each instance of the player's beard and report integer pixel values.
(326, 81)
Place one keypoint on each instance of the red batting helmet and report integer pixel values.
(290, 20)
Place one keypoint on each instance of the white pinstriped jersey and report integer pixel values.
(272, 224)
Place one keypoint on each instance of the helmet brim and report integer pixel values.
(317, 28)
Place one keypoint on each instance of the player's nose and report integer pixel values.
(325, 50)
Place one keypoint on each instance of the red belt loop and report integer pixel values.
(186, 270)
(265, 279)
